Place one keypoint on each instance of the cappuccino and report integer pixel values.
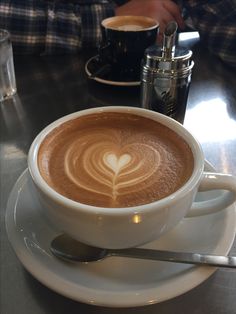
(114, 160)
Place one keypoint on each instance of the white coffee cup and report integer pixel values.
(137, 225)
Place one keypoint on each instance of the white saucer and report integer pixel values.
(115, 281)
(92, 66)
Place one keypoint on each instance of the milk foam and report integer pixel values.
(109, 169)
(116, 163)
(130, 27)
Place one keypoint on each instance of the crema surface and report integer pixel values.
(114, 160)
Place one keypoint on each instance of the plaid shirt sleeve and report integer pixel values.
(54, 26)
(216, 22)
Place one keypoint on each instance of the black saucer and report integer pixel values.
(103, 73)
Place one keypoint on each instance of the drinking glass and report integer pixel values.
(7, 73)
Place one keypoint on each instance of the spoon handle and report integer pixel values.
(177, 257)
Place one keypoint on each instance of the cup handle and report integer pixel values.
(214, 181)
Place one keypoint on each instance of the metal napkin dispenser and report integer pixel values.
(166, 76)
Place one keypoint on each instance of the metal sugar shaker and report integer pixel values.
(166, 76)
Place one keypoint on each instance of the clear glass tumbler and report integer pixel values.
(7, 73)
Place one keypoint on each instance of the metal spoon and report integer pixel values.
(66, 248)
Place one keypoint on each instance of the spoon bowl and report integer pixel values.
(67, 248)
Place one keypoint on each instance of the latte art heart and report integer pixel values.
(111, 174)
(108, 160)
(116, 163)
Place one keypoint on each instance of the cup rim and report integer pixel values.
(117, 211)
(137, 17)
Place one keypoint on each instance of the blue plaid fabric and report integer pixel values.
(216, 22)
(54, 27)
(67, 26)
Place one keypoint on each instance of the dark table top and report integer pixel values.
(50, 87)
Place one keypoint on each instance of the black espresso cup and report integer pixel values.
(124, 40)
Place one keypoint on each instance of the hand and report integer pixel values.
(163, 11)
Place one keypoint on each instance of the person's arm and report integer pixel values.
(53, 27)
(216, 22)
(163, 11)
